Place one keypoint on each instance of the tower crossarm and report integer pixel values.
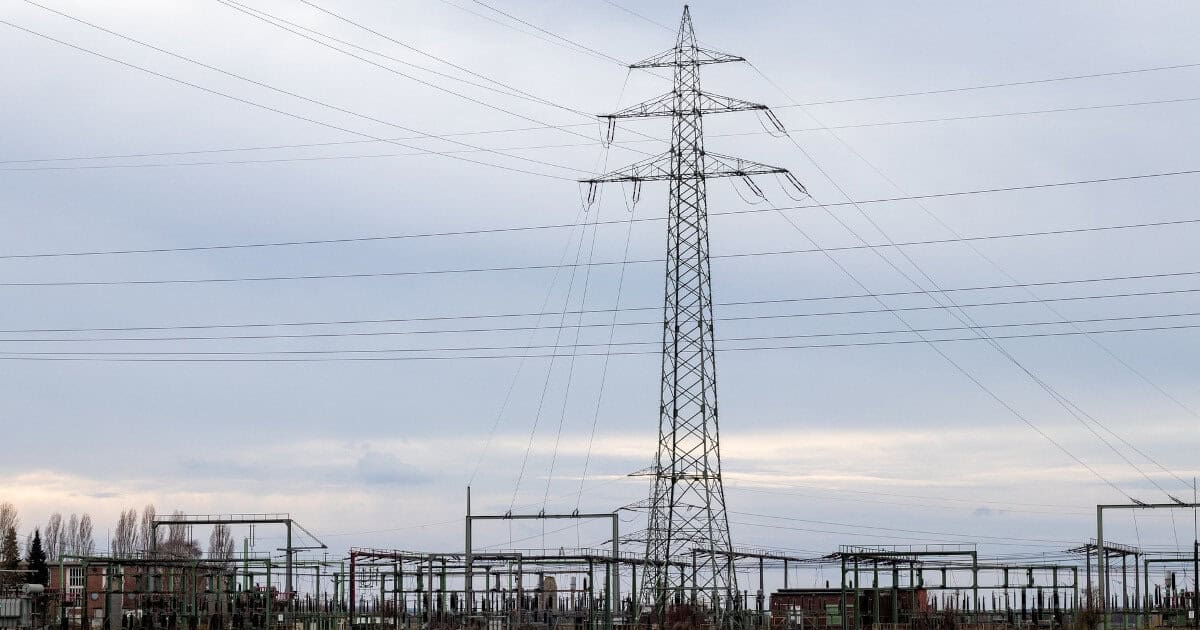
(667, 104)
(697, 56)
(658, 168)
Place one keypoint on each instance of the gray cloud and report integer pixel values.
(386, 469)
(290, 437)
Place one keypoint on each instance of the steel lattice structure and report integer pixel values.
(687, 502)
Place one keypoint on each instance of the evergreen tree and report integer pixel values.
(37, 561)
(10, 557)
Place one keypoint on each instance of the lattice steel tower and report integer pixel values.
(687, 519)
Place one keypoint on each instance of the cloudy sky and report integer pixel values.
(167, 126)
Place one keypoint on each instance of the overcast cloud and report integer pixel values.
(370, 452)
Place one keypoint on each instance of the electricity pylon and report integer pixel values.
(687, 520)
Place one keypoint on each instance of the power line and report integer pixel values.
(611, 344)
(276, 109)
(988, 86)
(290, 27)
(428, 272)
(505, 87)
(508, 148)
(573, 47)
(975, 380)
(356, 354)
(749, 211)
(579, 325)
(1052, 310)
(535, 27)
(555, 226)
(794, 519)
(958, 313)
(1056, 509)
(288, 93)
(639, 16)
(272, 147)
(967, 88)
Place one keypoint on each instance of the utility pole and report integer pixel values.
(687, 502)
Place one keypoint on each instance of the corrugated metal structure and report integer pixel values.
(16, 612)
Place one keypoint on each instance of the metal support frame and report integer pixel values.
(1102, 560)
(614, 578)
(242, 519)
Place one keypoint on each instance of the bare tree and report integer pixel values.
(86, 543)
(10, 556)
(8, 517)
(220, 543)
(54, 536)
(177, 533)
(148, 535)
(125, 535)
(71, 535)
(178, 542)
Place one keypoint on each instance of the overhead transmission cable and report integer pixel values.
(793, 519)
(1105, 349)
(512, 385)
(502, 85)
(1008, 506)
(286, 113)
(288, 93)
(358, 355)
(537, 416)
(574, 347)
(730, 212)
(960, 314)
(600, 166)
(560, 42)
(590, 143)
(552, 34)
(612, 329)
(538, 326)
(431, 272)
(1073, 77)
(958, 366)
(297, 30)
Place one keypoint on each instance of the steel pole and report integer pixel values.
(1101, 567)
(288, 578)
(469, 569)
(615, 576)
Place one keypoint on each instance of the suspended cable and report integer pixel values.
(512, 385)
(1011, 278)
(297, 30)
(284, 112)
(1067, 404)
(612, 329)
(988, 86)
(935, 347)
(538, 326)
(590, 143)
(926, 341)
(749, 211)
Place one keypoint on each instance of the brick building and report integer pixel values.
(820, 608)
